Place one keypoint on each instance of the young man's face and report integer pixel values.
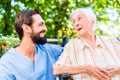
(38, 30)
(81, 23)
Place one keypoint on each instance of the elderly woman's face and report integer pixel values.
(81, 23)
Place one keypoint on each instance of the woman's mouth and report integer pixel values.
(79, 29)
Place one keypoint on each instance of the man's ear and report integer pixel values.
(26, 28)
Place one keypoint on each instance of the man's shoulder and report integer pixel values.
(8, 54)
(54, 46)
(49, 46)
(53, 49)
(6, 59)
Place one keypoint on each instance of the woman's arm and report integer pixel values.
(92, 70)
(72, 70)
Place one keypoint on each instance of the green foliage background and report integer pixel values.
(56, 14)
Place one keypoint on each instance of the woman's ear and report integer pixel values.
(92, 23)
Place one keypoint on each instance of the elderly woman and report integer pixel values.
(89, 57)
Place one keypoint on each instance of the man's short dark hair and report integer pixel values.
(24, 17)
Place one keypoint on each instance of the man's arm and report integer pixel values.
(6, 76)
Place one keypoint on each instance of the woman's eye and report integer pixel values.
(41, 24)
(79, 18)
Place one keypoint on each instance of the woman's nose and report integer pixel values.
(76, 25)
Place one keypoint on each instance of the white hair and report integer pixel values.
(87, 12)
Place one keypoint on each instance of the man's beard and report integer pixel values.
(37, 39)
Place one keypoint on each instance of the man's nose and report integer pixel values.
(45, 28)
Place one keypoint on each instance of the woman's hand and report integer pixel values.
(97, 72)
(113, 71)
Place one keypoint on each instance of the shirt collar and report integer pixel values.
(99, 43)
